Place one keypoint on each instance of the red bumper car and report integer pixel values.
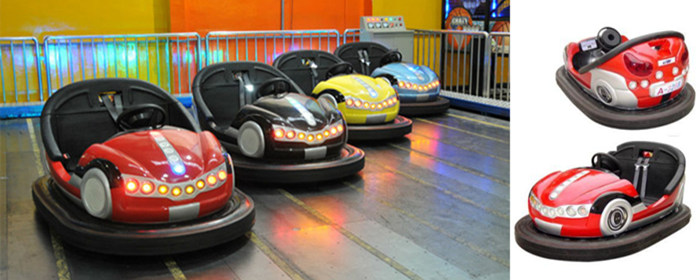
(627, 200)
(632, 84)
(132, 173)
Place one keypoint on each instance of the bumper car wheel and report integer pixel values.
(251, 140)
(95, 194)
(616, 217)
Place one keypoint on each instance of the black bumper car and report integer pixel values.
(281, 136)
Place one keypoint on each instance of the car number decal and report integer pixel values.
(667, 88)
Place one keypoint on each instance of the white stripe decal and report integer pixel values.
(369, 88)
(174, 160)
(308, 117)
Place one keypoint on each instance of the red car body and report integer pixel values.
(639, 73)
(137, 157)
(585, 191)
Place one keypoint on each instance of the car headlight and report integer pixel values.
(563, 211)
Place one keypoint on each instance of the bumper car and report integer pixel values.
(370, 105)
(282, 136)
(626, 201)
(418, 86)
(131, 173)
(631, 84)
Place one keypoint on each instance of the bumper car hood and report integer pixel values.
(169, 155)
(407, 72)
(574, 186)
(296, 110)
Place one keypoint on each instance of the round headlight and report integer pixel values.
(560, 211)
(570, 211)
(582, 210)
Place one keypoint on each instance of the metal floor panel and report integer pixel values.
(433, 205)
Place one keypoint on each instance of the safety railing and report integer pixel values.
(472, 66)
(499, 86)
(351, 35)
(169, 60)
(265, 46)
(463, 60)
(20, 70)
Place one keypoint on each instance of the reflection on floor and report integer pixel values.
(433, 205)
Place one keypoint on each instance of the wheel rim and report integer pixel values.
(94, 194)
(617, 219)
(251, 140)
(604, 94)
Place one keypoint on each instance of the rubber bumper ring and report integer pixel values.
(412, 109)
(669, 112)
(350, 161)
(77, 228)
(396, 129)
(549, 246)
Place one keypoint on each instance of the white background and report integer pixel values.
(549, 133)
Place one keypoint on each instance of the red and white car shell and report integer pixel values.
(637, 74)
(582, 203)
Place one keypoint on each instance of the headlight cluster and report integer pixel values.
(564, 211)
(288, 134)
(417, 87)
(355, 103)
(146, 187)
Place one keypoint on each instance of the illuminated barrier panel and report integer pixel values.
(20, 71)
(169, 60)
(265, 46)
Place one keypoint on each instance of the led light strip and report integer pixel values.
(171, 155)
(176, 191)
(353, 103)
(560, 188)
(287, 134)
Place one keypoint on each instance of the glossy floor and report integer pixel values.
(433, 205)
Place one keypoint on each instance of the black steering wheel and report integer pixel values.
(608, 38)
(143, 115)
(272, 86)
(342, 67)
(390, 57)
(607, 162)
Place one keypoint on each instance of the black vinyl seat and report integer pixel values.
(364, 56)
(306, 67)
(664, 169)
(221, 90)
(75, 116)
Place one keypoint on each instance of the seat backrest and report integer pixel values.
(74, 118)
(350, 52)
(666, 166)
(297, 65)
(221, 90)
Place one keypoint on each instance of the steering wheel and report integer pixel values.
(607, 162)
(272, 86)
(390, 57)
(609, 38)
(143, 115)
(342, 67)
